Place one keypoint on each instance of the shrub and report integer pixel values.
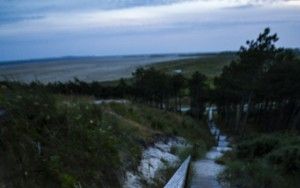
(156, 124)
(67, 181)
(249, 175)
(48, 142)
(286, 158)
(258, 147)
(271, 160)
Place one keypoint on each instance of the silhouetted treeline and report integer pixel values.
(158, 89)
(150, 86)
(94, 88)
(165, 91)
(261, 88)
(78, 87)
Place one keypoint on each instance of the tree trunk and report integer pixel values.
(226, 115)
(294, 118)
(238, 117)
(180, 104)
(249, 101)
(296, 121)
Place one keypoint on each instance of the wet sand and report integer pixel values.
(83, 68)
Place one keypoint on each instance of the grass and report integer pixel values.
(65, 141)
(168, 123)
(160, 181)
(264, 160)
(167, 172)
(210, 65)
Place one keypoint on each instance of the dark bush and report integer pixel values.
(252, 149)
(287, 158)
(55, 145)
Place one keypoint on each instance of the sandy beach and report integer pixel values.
(83, 68)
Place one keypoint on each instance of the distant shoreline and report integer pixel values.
(92, 68)
(47, 59)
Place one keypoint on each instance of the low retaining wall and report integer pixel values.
(178, 180)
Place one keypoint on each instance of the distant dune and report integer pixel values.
(84, 68)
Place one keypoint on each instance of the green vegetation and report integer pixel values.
(265, 160)
(159, 89)
(262, 87)
(52, 140)
(210, 65)
(54, 136)
(258, 102)
(198, 93)
(167, 123)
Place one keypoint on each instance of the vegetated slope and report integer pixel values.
(53, 141)
(208, 64)
(264, 160)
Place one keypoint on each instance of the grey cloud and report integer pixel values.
(224, 29)
(15, 10)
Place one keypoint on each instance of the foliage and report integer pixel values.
(264, 161)
(56, 145)
(60, 141)
(167, 122)
(252, 149)
(210, 65)
(287, 158)
(198, 92)
(156, 88)
(261, 86)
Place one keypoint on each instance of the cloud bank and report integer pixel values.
(52, 28)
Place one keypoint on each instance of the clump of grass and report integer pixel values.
(167, 123)
(182, 152)
(257, 147)
(163, 176)
(287, 159)
(226, 157)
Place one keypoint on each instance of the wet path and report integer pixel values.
(205, 171)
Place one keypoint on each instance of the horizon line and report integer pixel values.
(114, 55)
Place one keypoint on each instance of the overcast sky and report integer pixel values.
(52, 28)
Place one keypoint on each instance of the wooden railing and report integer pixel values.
(179, 179)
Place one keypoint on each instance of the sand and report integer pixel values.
(84, 68)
